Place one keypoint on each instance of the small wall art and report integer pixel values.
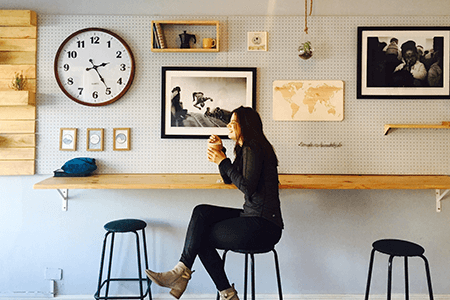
(94, 139)
(68, 139)
(121, 139)
(257, 41)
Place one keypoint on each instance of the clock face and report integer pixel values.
(94, 67)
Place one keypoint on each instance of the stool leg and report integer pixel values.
(390, 277)
(144, 242)
(406, 279)
(108, 279)
(102, 261)
(369, 276)
(277, 268)
(427, 270)
(245, 276)
(252, 256)
(139, 266)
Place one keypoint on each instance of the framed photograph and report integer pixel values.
(198, 101)
(257, 41)
(121, 139)
(403, 62)
(68, 139)
(94, 139)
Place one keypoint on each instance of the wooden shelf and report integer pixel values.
(444, 125)
(440, 183)
(165, 24)
(213, 181)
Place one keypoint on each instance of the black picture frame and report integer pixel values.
(382, 72)
(197, 101)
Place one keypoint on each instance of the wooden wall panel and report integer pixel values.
(18, 45)
(17, 140)
(18, 113)
(17, 153)
(17, 127)
(18, 18)
(18, 32)
(18, 58)
(16, 167)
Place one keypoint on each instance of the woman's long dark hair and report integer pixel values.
(251, 128)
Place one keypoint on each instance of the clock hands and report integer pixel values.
(95, 68)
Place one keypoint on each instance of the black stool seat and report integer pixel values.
(398, 248)
(251, 252)
(125, 225)
(403, 249)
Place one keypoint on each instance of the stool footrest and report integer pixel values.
(96, 296)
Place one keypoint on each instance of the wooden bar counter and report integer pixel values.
(213, 181)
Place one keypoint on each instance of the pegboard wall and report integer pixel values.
(364, 150)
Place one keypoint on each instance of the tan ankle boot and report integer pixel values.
(176, 279)
(229, 294)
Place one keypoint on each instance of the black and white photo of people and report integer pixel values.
(395, 62)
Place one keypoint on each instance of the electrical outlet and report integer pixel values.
(53, 274)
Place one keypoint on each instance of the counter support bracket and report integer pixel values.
(440, 194)
(65, 198)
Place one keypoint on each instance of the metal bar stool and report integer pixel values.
(124, 226)
(403, 249)
(252, 265)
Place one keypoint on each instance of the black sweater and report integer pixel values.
(254, 172)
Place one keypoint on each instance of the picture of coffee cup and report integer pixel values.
(209, 43)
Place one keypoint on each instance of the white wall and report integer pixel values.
(237, 7)
(325, 247)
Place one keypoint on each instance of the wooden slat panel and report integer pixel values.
(5, 85)
(17, 140)
(18, 32)
(18, 58)
(17, 126)
(17, 153)
(18, 112)
(17, 167)
(10, 98)
(17, 45)
(9, 71)
(18, 18)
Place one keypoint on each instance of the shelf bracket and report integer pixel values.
(440, 194)
(65, 198)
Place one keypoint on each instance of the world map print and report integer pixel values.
(308, 100)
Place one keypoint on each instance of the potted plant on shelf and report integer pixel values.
(19, 82)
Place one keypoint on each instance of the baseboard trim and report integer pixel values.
(258, 297)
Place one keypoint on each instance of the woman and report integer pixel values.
(258, 225)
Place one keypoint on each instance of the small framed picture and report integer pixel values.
(68, 139)
(257, 41)
(121, 139)
(94, 139)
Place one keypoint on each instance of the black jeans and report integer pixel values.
(214, 227)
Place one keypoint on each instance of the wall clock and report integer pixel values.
(94, 67)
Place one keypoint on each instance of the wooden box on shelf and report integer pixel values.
(160, 27)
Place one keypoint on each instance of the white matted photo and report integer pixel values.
(68, 139)
(257, 41)
(94, 139)
(121, 139)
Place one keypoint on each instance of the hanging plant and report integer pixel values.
(305, 49)
(19, 82)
